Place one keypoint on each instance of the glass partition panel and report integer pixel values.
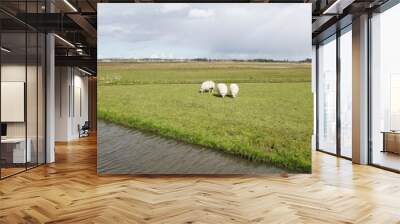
(31, 98)
(346, 93)
(385, 89)
(41, 98)
(22, 77)
(33, 43)
(327, 96)
(14, 153)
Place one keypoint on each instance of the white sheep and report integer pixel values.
(234, 88)
(207, 86)
(222, 89)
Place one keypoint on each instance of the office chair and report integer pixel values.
(84, 130)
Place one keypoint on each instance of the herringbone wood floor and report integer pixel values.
(70, 191)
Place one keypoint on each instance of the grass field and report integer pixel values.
(270, 121)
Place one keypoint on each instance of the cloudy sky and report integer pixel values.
(222, 31)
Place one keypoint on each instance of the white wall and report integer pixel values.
(13, 72)
(62, 82)
(16, 73)
(33, 126)
(82, 83)
(70, 83)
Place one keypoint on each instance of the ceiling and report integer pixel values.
(331, 15)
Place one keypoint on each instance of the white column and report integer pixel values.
(50, 92)
(314, 90)
(50, 99)
(360, 90)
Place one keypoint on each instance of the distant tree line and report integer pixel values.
(307, 60)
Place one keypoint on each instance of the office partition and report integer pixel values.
(327, 95)
(385, 89)
(15, 147)
(345, 60)
(334, 93)
(23, 88)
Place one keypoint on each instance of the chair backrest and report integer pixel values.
(86, 125)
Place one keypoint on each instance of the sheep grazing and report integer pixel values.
(207, 86)
(222, 89)
(234, 88)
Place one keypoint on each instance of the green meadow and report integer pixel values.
(270, 121)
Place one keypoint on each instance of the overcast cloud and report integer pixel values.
(223, 31)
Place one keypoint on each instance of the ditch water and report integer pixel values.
(126, 151)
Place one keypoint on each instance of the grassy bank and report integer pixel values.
(270, 122)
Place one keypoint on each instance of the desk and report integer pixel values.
(391, 141)
(15, 148)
